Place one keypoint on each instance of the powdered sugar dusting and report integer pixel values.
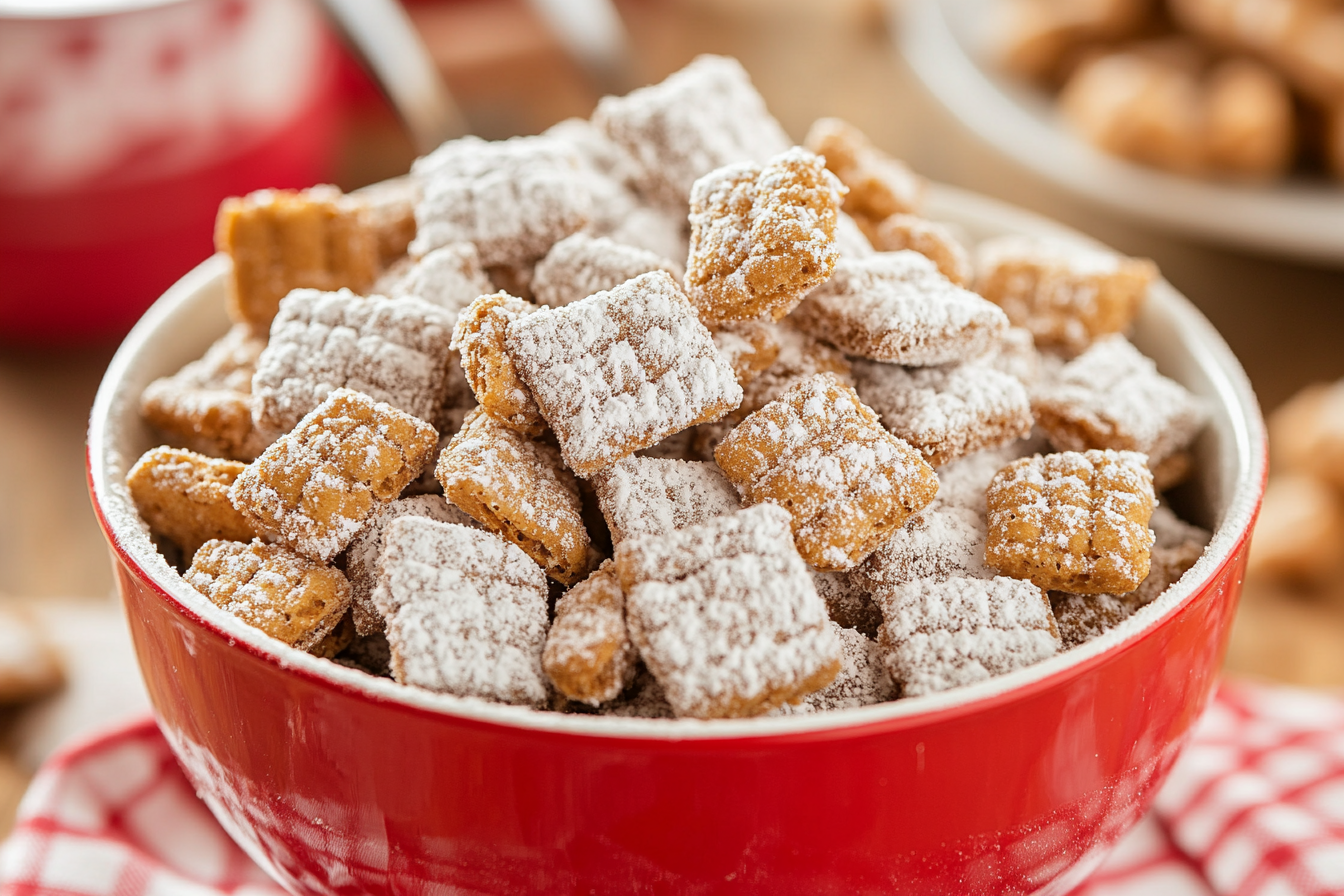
(450, 277)
(940, 542)
(651, 496)
(861, 681)
(580, 265)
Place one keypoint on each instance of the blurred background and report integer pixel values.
(99, 216)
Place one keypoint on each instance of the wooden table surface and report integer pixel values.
(1284, 320)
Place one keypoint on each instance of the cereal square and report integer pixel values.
(184, 496)
(749, 346)
(649, 496)
(621, 370)
(1066, 294)
(465, 611)
(519, 489)
(450, 277)
(946, 412)
(489, 369)
(800, 357)
(393, 350)
(581, 265)
(1072, 521)
(389, 211)
(762, 237)
(879, 185)
(819, 452)
(861, 681)
(930, 239)
(941, 635)
(703, 117)
(270, 587)
(725, 615)
(589, 656)
(513, 198)
(896, 307)
(280, 240)
(1111, 396)
(936, 544)
(207, 405)
(315, 486)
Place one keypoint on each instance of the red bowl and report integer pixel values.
(337, 782)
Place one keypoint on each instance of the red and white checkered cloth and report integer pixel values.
(1254, 807)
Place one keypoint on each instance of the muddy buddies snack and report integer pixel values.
(879, 186)
(725, 615)
(650, 496)
(589, 656)
(861, 681)
(940, 542)
(932, 240)
(581, 265)
(750, 346)
(800, 357)
(450, 277)
(848, 601)
(185, 497)
(490, 370)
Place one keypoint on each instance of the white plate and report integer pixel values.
(945, 41)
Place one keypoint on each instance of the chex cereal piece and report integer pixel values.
(315, 486)
(580, 265)
(185, 497)
(879, 185)
(337, 640)
(465, 611)
(896, 307)
(861, 681)
(818, 451)
(946, 412)
(848, 603)
(725, 615)
(749, 346)
(268, 586)
(389, 211)
(800, 357)
(928, 238)
(490, 370)
(513, 198)
(1074, 521)
(1112, 396)
(450, 277)
(207, 405)
(1066, 294)
(762, 237)
(941, 635)
(281, 240)
(393, 350)
(648, 496)
(589, 656)
(703, 117)
(361, 556)
(621, 370)
(936, 544)
(1170, 531)
(30, 665)
(519, 489)
(1082, 617)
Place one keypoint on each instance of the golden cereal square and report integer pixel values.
(490, 371)
(799, 357)
(315, 486)
(1074, 521)
(879, 185)
(185, 496)
(588, 655)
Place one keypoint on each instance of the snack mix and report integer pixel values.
(656, 416)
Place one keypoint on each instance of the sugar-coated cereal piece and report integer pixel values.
(819, 452)
(513, 198)
(848, 603)
(725, 615)
(450, 277)
(185, 497)
(700, 118)
(393, 350)
(963, 482)
(207, 405)
(1306, 433)
(337, 640)
(315, 486)
(1015, 354)
(850, 238)
(800, 357)
(465, 611)
(936, 544)
(1300, 534)
(490, 370)
(519, 489)
(589, 656)
(896, 307)
(941, 635)
(580, 265)
(1074, 521)
(861, 681)
(281, 240)
(750, 346)
(928, 238)
(649, 496)
(361, 556)
(1065, 293)
(879, 185)
(1170, 531)
(1112, 396)
(621, 370)
(946, 412)
(389, 210)
(30, 665)
(1082, 617)
(268, 586)
(762, 237)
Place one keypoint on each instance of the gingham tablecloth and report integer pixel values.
(1254, 807)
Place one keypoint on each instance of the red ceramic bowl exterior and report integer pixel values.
(338, 787)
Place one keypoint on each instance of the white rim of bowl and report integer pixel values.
(1203, 343)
